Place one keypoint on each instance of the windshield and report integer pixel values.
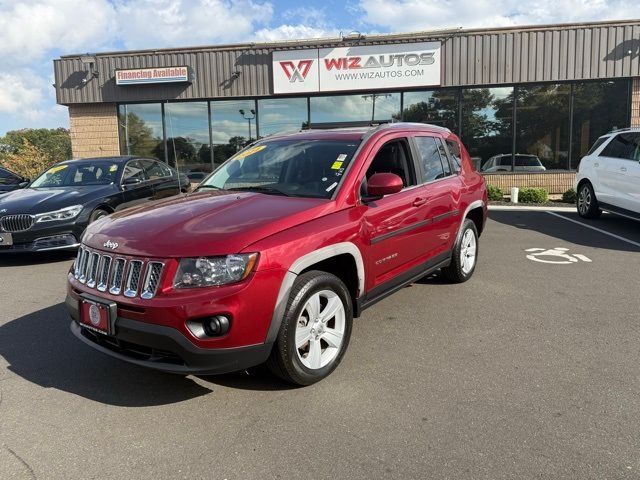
(78, 174)
(300, 168)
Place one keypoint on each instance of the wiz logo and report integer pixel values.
(296, 73)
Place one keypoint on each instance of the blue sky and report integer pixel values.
(34, 32)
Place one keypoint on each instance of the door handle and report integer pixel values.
(596, 164)
(623, 169)
(419, 201)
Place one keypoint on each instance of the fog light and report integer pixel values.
(216, 326)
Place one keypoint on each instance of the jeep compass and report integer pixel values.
(276, 252)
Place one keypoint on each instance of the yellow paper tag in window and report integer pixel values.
(251, 151)
(56, 169)
(113, 168)
(336, 165)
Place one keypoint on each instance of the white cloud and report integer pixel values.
(292, 32)
(413, 15)
(158, 23)
(30, 28)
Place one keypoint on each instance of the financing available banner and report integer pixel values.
(138, 76)
(357, 68)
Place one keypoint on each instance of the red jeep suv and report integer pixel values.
(276, 252)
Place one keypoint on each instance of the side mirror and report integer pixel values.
(381, 184)
(24, 183)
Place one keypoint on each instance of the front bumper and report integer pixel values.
(46, 237)
(164, 348)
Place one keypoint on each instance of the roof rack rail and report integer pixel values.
(625, 129)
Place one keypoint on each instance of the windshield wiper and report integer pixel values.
(258, 188)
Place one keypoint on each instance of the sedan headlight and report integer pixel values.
(211, 271)
(67, 213)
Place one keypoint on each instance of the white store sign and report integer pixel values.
(356, 68)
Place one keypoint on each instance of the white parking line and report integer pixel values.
(618, 237)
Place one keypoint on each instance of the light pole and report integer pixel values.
(248, 117)
(373, 97)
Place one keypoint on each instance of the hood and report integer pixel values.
(202, 224)
(40, 200)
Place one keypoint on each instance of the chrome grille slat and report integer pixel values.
(92, 269)
(103, 273)
(133, 278)
(118, 275)
(83, 266)
(77, 263)
(16, 223)
(151, 279)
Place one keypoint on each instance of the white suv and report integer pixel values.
(609, 176)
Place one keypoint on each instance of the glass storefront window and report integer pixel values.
(437, 107)
(187, 127)
(487, 127)
(233, 125)
(354, 108)
(282, 115)
(598, 108)
(140, 126)
(542, 131)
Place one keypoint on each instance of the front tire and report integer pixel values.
(586, 202)
(465, 254)
(315, 331)
(96, 214)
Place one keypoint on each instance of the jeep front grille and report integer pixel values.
(129, 276)
(16, 223)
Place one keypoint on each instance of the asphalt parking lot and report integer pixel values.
(530, 370)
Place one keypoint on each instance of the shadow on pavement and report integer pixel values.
(257, 379)
(40, 348)
(542, 222)
(34, 258)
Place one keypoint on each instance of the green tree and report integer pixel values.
(27, 161)
(55, 143)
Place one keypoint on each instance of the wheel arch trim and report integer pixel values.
(303, 263)
(472, 206)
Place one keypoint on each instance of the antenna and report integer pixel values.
(173, 142)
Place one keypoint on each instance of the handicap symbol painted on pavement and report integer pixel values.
(558, 256)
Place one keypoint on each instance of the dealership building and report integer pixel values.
(528, 102)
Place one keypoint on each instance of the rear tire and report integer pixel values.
(465, 254)
(586, 202)
(315, 331)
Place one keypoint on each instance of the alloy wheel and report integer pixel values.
(584, 200)
(468, 251)
(320, 329)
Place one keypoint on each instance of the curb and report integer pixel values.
(504, 208)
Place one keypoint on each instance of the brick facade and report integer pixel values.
(553, 183)
(635, 102)
(94, 130)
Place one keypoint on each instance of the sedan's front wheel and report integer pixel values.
(315, 332)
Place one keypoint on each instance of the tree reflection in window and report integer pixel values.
(140, 128)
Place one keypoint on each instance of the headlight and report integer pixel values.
(62, 214)
(210, 271)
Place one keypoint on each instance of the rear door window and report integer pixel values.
(624, 146)
(431, 159)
